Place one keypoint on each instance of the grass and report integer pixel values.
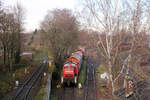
(52, 68)
(8, 97)
(102, 82)
(82, 73)
(7, 82)
(40, 94)
(101, 89)
(37, 56)
(53, 97)
(46, 50)
(101, 69)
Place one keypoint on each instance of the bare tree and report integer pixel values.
(114, 19)
(107, 22)
(10, 30)
(60, 28)
(19, 16)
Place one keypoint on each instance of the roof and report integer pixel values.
(26, 53)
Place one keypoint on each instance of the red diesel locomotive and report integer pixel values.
(72, 67)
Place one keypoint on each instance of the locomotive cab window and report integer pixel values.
(73, 65)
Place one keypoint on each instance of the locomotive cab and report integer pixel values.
(72, 67)
(69, 74)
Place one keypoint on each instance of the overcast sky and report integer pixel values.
(37, 9)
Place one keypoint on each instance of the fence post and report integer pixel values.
(48, 88)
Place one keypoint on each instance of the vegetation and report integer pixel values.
(32, 37)
(11, 26)
(5, 85)
(101, 69)
(53, 97)
(82, 73)
(109, 24)
(40, 94)
(60, 29)
(101, 82)
(117, 22)
(52, 69)
(7, 80)
(101, 89)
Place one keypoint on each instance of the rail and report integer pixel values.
(90, 81)
(24, 90)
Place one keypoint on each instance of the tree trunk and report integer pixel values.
(4, 55)
(17, 56)
(111, 77)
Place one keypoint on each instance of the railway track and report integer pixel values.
(90, 89)
(67, 93)
(73, 93)
(24, 91)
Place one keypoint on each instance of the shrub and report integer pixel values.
(19, 73)
(4, 88)
(40, 94)
(52, 69)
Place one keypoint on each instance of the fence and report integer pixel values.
(48, 88)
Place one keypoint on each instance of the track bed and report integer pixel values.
(88, 92)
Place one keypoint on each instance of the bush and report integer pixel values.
(101, 89)
(26, 61)
(40, 94)
(101, 69)
(4, 88)
(17, 66)
(102, 82)
(19, 73)
(52, 69)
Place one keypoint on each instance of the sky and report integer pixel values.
(35, 10)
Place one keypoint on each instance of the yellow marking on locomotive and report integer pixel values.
(58, 86)
(79, 86)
